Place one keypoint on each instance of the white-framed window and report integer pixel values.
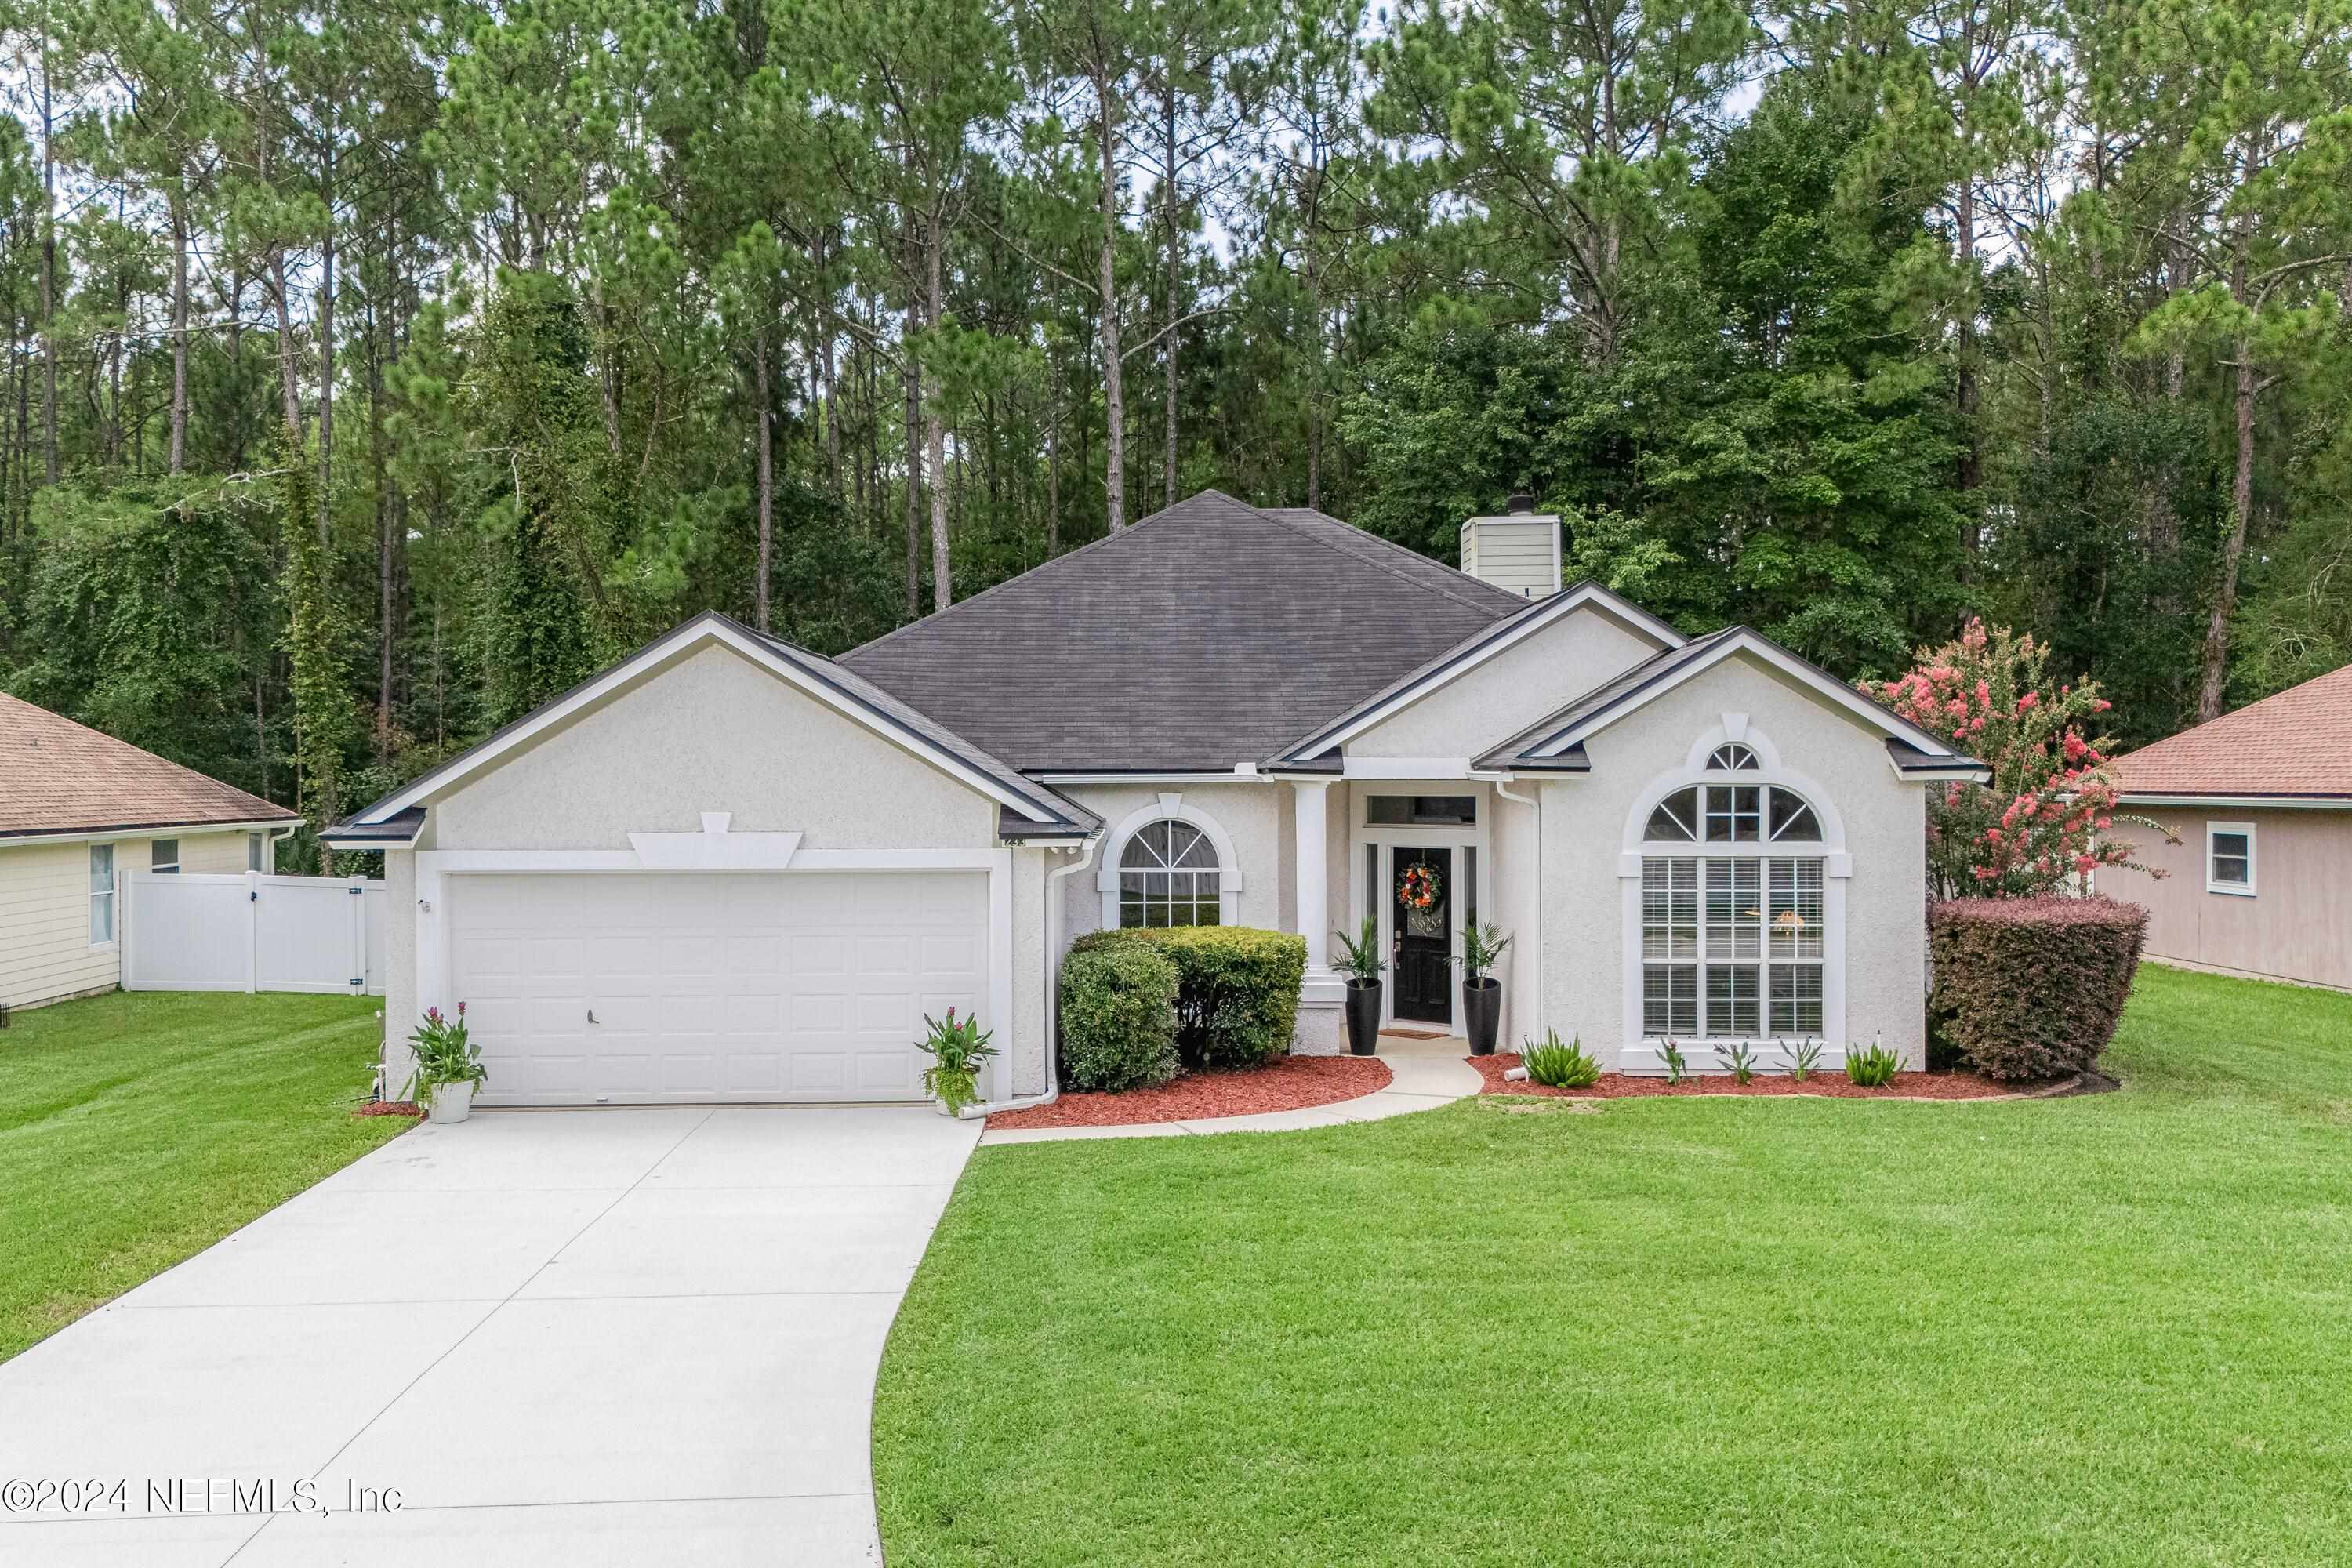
(1168, 876)
(2230, 858)
(1733, 813)
(254, 850)
(101, 894)
(163, 857)
(1732, 947)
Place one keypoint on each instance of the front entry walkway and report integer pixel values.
(563, 1337)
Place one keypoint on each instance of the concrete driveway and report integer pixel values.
(561, 1337)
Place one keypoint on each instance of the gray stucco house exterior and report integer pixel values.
(729, 870)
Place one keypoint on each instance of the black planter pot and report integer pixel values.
(1363, 1016)
(1482, 1012)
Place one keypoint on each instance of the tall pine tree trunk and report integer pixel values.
(935, 439)
(767, 483)
(914, 380)
(1168, 205)
(179, 333)
(48, 269)
(2214, 664)
(1106, 281)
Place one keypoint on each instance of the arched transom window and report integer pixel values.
(1734, 928)
(1732, 757)
(1168, 876)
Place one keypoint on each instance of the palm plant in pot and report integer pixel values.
(1360, 960)
(449, 1067)
(957, 1047)
(1482, 994)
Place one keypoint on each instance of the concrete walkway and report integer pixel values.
(1424, 1074)
(570, 1338)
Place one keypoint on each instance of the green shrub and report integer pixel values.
(1237, 988)
(1678, 1066)
(1873, 1068)
(1740, 1059)
(1560, 1066)
(2032, 988)
(1803, 1057)
(1118, 1017)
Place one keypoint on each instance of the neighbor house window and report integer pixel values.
(2230, 858)
(1423, 810)
(163, 856)
(254, 851)
(1168, 876)
(102, 894)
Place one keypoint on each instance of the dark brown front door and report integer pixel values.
(1424, 927)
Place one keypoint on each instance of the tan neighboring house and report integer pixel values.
(78, 811)
(2261, 881)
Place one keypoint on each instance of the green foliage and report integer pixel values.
(1237, 988)
(1568, 1066)
(1739, 1056)
(1678, 1067)
(443, 1052)
(1360, 958)
(1117, 1017)
(318, 638)
(2032, 988)
(1483, 946)
(958, 1048)
(1872, 1067)
(1803, 1057)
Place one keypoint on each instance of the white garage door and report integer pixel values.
(641, 989)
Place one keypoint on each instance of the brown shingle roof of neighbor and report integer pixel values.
(58, 776)
(2297, 744)
(1206, 634)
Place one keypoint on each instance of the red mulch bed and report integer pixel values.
(1832, 1083)
(1287, 1083)
(390, 1108)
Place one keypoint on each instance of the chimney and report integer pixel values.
(1518, 549)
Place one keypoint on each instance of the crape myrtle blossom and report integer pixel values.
(2041, 825)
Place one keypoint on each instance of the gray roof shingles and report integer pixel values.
(1206, 634)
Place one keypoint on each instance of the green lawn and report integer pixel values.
(137, 1130)
(2108, 1329)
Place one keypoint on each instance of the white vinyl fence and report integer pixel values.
(252, 932)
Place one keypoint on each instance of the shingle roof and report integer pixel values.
(2297, 744)
(58, 776)
(1207, 635)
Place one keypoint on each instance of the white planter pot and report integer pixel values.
(452, 1102)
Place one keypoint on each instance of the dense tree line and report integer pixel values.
(375, 372)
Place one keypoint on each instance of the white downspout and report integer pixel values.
(1535, 983)
(1052, 988)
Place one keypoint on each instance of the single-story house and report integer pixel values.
(80, 809)
(2261, 881)
(730, 869)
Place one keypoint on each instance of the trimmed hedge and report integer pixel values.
(1119, 1018)
(1237, 988)
(2032, 988)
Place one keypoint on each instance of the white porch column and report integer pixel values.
(1308, 803)
(1320, 993)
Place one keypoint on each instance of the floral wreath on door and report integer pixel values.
(1419, 887)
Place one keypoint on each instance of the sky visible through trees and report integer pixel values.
(376, 371)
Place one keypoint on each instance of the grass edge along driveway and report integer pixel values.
(2110, 1329)
(138, 1129)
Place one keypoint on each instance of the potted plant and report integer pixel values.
(1482, 993)
(449, 1067)
(1360, 960)
(956, 1047)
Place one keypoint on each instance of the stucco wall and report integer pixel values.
(1884, 934)
(1495, 701)
(713, 732)
(45, 950)
(2298, 924)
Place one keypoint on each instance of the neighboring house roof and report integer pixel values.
(1028, 809)
(2295, 745)
(1556, 742)
(60, 778)
(1208, 635)
(1472, 650)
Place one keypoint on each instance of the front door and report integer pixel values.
(1421, 889)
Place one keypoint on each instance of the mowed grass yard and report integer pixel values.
(2107, 1329)
(137, 1130)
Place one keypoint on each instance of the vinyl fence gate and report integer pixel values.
(249, 932)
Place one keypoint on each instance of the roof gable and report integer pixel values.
(1027, 807)
(2294, 744)
(1208, 635)
(58, 778)
(1555, 742)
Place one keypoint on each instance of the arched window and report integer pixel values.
(1733, 758)
(1733, 937)
(1168, 876)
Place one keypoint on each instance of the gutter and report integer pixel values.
(1052, 988)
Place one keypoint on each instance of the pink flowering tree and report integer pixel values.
(2042, 825)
